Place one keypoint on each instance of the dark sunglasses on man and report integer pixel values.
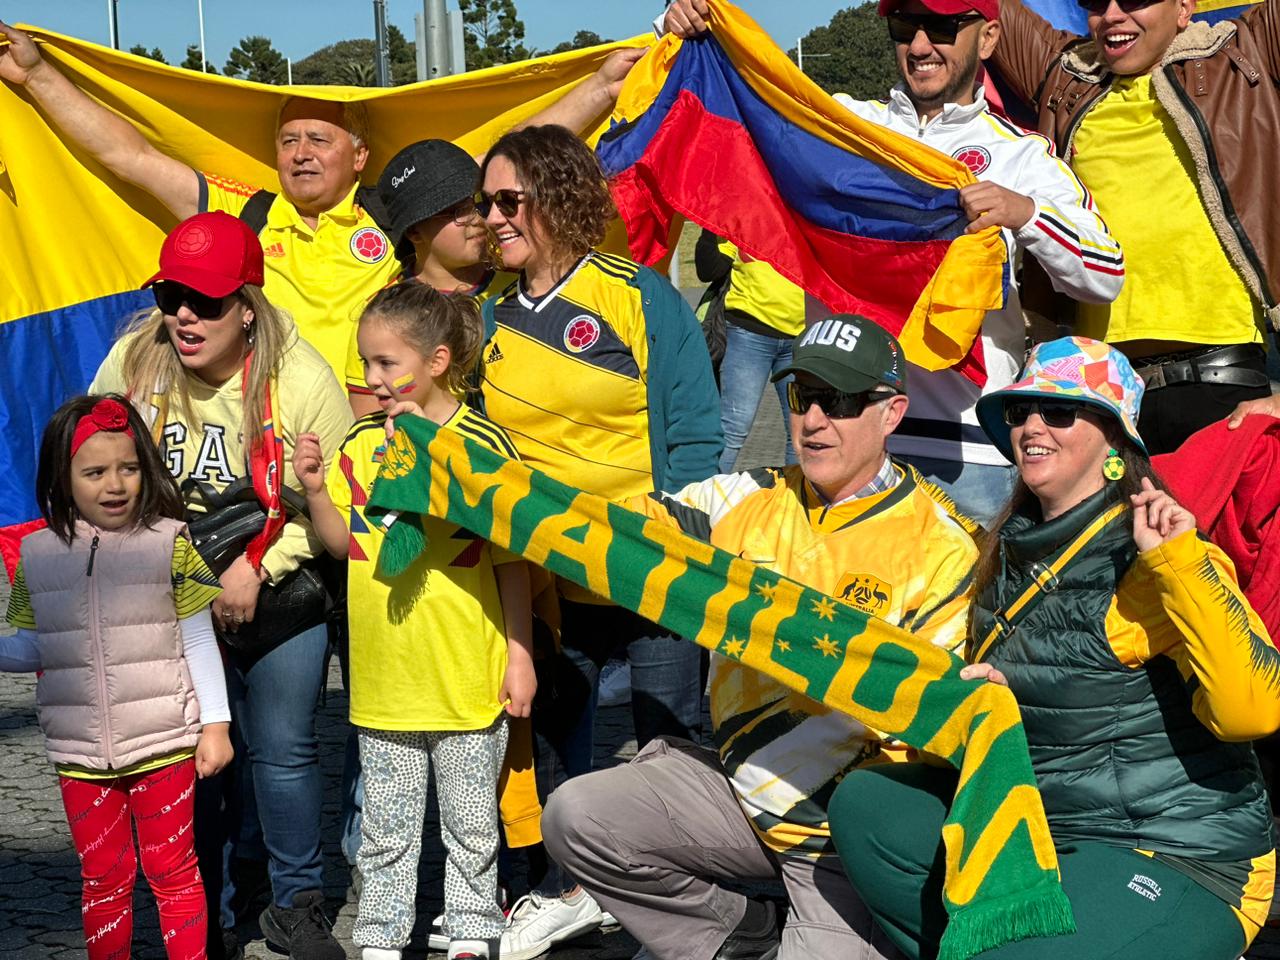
(835, 404)
(170, 297)
(1099, 7)
(507, 202)
(1058, 414)
(939, 28)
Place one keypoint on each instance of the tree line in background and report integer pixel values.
(851, 54)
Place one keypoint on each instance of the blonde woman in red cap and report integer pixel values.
(229, 386)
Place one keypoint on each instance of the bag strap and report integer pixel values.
(1044, 579)
(254, 212)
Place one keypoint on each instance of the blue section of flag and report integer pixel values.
(1063, 14)
(49, 357)
(830, 187)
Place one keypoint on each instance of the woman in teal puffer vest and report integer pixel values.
(1141, 672)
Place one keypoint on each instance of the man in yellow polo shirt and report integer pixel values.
(1174, 126)
(325, 255)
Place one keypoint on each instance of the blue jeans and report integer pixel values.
(273, 704)
(980, 490)
(749, 360)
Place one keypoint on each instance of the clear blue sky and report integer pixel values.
(298, 27)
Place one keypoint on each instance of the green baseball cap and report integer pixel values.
(851, 353)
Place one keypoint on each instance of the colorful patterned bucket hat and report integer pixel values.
(1072, 368)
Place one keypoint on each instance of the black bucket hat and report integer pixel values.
(424, 179)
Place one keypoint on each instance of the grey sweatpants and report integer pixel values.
(652, 839)
(396, 766)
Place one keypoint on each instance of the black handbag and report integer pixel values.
(220, 533)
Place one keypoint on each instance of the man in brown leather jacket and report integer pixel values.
(1175, 127)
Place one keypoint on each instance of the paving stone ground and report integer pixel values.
(39, 875)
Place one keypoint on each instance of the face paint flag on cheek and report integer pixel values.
(405, 384)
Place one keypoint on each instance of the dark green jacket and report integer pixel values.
(1118, 753)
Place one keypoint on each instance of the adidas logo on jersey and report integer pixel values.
(494, 355)
(273, 250)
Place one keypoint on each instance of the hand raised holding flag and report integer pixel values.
(988, 204)
(687, 18)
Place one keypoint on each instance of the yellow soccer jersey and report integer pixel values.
(494, 282)
(565, 375)
(896, 555)
(428, 648)
(322, 276)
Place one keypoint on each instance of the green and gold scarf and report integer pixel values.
(1002, 871)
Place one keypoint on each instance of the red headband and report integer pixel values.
(107, 414)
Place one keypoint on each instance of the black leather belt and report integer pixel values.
(1216, 365)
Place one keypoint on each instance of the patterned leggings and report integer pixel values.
(396, 767)
(161, 804)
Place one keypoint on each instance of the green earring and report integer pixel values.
(1113, 466)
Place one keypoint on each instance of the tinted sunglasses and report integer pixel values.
(939, 28)
(1055, 413)
(1128, 6)
(171, 296)
(507, 202)
(836, 404)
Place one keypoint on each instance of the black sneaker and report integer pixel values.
(302, 930)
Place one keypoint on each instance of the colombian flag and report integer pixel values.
(77, 242)
(725, 131)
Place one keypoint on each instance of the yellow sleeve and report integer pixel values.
(1219, 643)
(223, 194)
(194, 584)
(354, 374)
(19, 614)
(110, 375)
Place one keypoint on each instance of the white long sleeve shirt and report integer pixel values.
(1065, 234)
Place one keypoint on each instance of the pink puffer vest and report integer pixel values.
(115, 689)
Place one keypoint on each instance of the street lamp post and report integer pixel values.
(113, 23)
(200, 12)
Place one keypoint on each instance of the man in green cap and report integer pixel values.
(654, 840)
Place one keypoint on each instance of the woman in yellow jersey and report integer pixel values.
(229, 387)
(597, 369)
(1142, 675)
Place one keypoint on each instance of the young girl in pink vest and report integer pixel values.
(111, 604)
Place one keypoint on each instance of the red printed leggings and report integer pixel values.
(161, 803)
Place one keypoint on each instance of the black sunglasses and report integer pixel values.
(836, 404)
(171, 296)
(1128, 6)
(507, 202)
(1055, 413)
(939, 28)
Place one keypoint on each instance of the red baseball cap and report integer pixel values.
(213, 253)
(989, 9)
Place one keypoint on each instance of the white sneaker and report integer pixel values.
(615, 684)
(608, 921)
(438, 938)
(538, 923)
